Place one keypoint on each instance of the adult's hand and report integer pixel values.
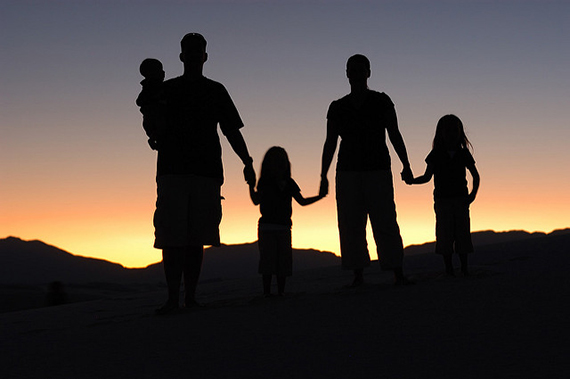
(249, 174)
(407, 175)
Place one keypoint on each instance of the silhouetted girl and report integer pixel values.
(447, 162)
(274, 194)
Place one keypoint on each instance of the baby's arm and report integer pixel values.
(426, 177)
(306, 201)
(476, 181)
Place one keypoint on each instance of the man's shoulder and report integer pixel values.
(203, 82)
(381, 97)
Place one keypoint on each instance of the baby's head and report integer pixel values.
(151, 68)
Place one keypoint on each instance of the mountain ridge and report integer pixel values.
(36, 262)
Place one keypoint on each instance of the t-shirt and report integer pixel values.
(363, 131)
(449, 172)
(190, 143)
(275, 199)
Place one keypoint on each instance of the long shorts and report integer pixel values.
(363, 195)
(188, 211)
(452, 226)
(275, 252)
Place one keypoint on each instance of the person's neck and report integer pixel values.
(192, 73)
(359, 88)
(358, 93)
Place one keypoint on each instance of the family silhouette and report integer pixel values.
(181, 118)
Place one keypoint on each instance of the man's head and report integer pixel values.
(193, 50)
(358, 68)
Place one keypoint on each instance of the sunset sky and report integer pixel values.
(76, 171)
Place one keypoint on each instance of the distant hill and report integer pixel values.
(35, 262)
(485, 239)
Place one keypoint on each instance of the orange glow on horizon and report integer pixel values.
(124, 234)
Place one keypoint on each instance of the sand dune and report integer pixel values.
(508, 319)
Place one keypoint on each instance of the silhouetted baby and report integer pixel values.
(274, 194)
(150, 99)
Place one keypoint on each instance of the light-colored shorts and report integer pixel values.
(361, 196)
(452, 226)
(275, 251)
(188, 211)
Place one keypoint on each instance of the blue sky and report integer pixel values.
(76, 170)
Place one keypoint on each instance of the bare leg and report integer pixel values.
(172, 260)
(193, 257)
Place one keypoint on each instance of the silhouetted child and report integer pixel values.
(274, 194)
(447, 162)
(149, 99)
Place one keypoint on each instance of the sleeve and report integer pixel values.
(332, 111)
(391, 119)
(229, 115)
(293, 187)
(333, 116)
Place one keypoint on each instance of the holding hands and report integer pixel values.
(407, 175)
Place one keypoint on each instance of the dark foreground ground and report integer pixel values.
(509, 319)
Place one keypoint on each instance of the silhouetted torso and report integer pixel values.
(275, 201)
(363, 131)
(449, 172)
(190, 143)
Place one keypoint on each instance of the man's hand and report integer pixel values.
(249, 174)
(407, 175)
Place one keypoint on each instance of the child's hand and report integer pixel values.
(470, 198)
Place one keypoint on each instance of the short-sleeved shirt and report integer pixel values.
(275, 198)
(363, 131)
(449, 172)
(190, 143)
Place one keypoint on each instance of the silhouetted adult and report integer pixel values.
(364, 186)
(190, 171)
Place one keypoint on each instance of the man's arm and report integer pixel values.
(400, 147)
(329, 149)
(235, 138)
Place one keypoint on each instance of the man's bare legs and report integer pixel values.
(185, 260)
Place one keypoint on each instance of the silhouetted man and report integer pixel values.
(364, 186)
(190, 171)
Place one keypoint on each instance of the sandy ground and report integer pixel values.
(509, 319)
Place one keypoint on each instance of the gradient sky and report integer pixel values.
(76, 171)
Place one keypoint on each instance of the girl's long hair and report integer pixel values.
(453, 123)
(275, 165)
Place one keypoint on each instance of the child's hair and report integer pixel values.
(445, 124)
(150, 66)
(275, 165)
